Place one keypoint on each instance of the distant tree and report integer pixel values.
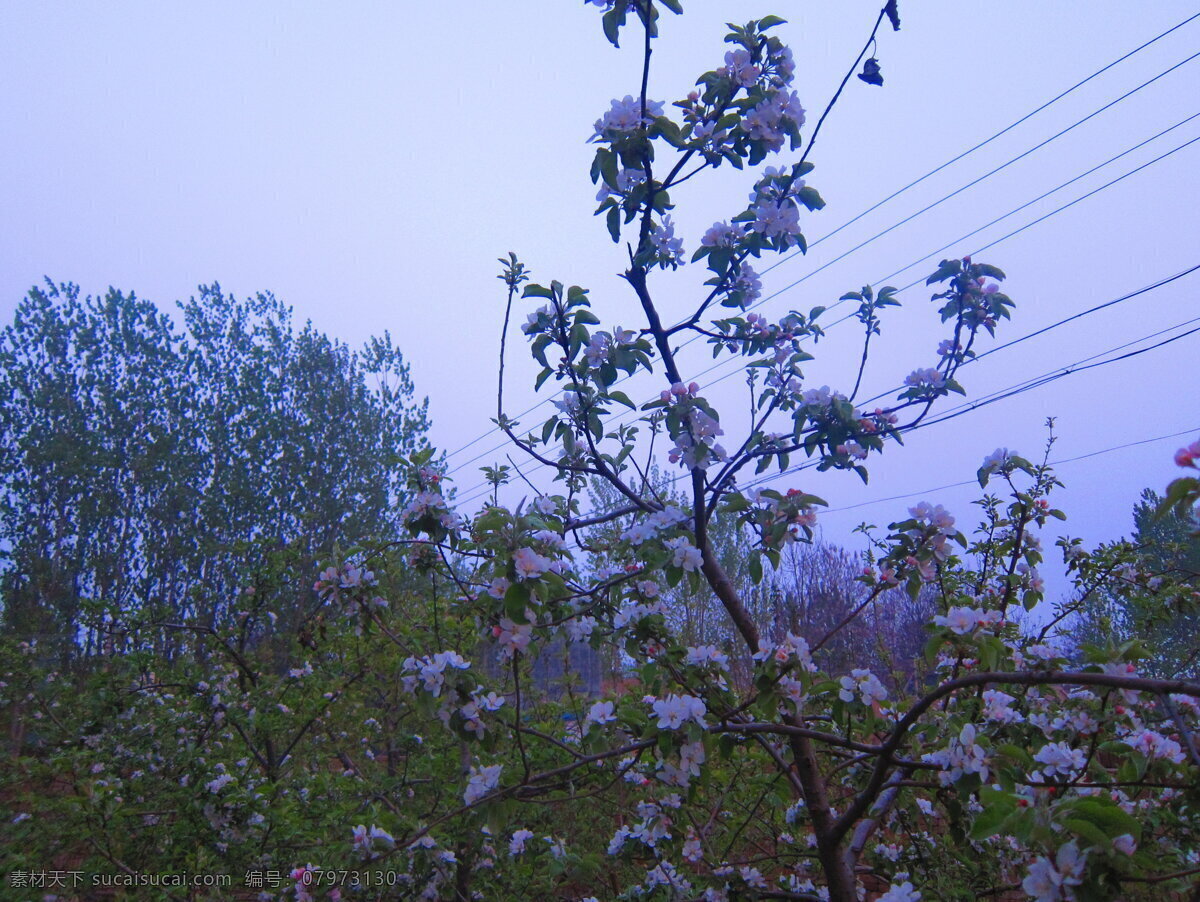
(814, 593)
(1163, 547)
(148, 470)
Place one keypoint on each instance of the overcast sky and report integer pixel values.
(367, 162)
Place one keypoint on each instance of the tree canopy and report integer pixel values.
(149, 465)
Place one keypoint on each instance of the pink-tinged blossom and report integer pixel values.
(997, 707)
(863, 683)
(960, 620)
(599, 713)
(676, 710)
(1052, 881)
(579, 629)
(428, 503)
(481, 781)
(740, 69)
(513, 638)
(685, 554)
(516, 845)
(792, 647)
(529, 564)
(692, 850)
(926, 381)
(934, 516)
(305, 877)
(777, 220)
(821, 398)
(1155, 745)
(793, 691)
(722, 234)
(768, 121)
(695, 445)
(550, 538)
(752, 877)
(332, 580)
(997, 459)
(430, 671)
(664, 874)
(1187, 456)
(779, 58)
(1125, 844)
(624, 117)
(1030, 577)
(901, 892)
(668, 250)
(707, 654)
(627, 180)
(853, 450)
(1059, 759)
(962, 756)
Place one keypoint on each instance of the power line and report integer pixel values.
(1053, 463)
(1043, 196)
(955, 485)
(998, 134)
(730, 361)
(1001, 394)
(1015, 232)
(981, 178)
(1071, 369)
(1062, 322)
(1019, 388)
(902, 190)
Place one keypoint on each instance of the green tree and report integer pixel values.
(1163, 549)
(149, 469)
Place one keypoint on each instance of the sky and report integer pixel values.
(368, 163)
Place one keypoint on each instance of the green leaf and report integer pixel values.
(995, 812)
(612, 22)
(516, 599)
(946, 269)
(1087, 830)
(811, 198)
(621, 398)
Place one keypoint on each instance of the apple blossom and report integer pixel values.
(516, 844)
(676, 710)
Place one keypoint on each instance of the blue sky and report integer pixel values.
(368, 162)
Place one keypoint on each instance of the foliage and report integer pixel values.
(1158, 606)
(755, 757)
(148, 468)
